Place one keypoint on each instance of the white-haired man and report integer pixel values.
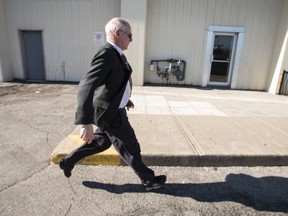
(103, 96)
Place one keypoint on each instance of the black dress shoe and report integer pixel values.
(66, 169)
(157, 182)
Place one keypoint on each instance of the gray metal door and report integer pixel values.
(33, 51)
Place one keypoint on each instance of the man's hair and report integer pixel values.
(115, 24)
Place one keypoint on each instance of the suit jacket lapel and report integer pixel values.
(126, 65)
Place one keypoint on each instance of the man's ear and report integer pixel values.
(117, 33)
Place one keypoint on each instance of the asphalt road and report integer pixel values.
(34, 118)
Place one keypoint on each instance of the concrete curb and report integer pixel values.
(111, 157)
(215, 160)
(73, 141)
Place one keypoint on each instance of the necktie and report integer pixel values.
(124, 59)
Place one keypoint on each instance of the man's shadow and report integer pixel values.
(263, 194)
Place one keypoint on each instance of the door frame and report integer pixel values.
(231, 61)
(239, 36)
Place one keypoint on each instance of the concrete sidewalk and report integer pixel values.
(201, 127)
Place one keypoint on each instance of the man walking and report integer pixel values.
(103, 96)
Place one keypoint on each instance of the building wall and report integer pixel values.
(67, 30)
(280, 57)
(162, 29)
(178, 29)
(5, 57)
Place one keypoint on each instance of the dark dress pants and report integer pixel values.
(122, 136)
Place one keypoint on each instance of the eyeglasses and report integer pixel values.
(128, 34)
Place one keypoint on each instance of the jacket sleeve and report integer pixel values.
(94, 78)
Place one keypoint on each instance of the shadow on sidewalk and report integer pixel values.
(262, 194)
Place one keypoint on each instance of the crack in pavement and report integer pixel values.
(41, 169)
(68, 210)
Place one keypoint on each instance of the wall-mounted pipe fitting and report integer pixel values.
(174, 67)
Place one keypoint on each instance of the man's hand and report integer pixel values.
(129, 105)
(87, 133)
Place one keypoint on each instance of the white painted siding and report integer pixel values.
(5, 59)
(178, 29)
(174, 29)
(68, 27)
(136, 51)
(280, 55)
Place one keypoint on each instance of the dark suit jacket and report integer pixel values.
(101, 88)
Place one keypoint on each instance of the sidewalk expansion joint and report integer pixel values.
(191, 140)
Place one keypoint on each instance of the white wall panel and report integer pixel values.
(280, 57)
(178, 29)
(5, 57)
(68, 27)
(136, 51)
